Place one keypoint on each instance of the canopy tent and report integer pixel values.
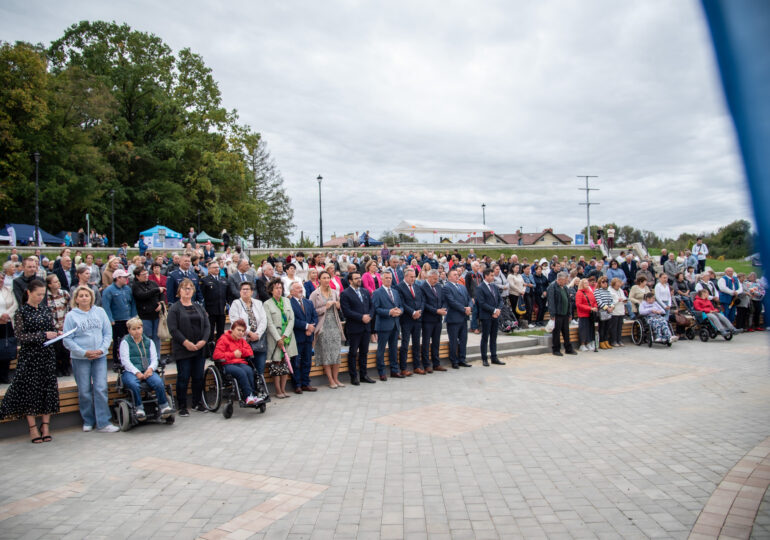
(418, 226)
(161, 237)
(203, 238)
(20, 234)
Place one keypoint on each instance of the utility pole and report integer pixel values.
(320, 214)
(588, 204)
(483, 213)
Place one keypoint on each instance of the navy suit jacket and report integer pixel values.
(175, 278)
(457, 299)
(382, 305)
(353, 310)
(303, 318)
(309, 289)
(61, 274)
(432, 302)
(410, 304)
(399, 273)
(488, 301)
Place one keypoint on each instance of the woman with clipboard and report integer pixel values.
(34, 391)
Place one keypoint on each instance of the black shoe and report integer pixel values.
(557, 353)
(200, 408)
(354, 380)
(455, 366)
(485, 363)
(396, 375)
(572, 352)
(498, 362)
(464, 364)
(367, 379)
(184, 412)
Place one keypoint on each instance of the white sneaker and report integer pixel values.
(251, 400)
(674, 338)
(583, 348)
(140, 414)
(87, 428)
(591, 347)
(166, 411)
(109, 428)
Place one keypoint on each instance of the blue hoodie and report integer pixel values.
(94, 331)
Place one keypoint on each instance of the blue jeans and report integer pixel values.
(150, 329)
(155, 383)
(728, 312)
(259, 362)
(245, 377)
(91, 378)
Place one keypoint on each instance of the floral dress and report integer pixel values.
(34, 390)
(328, 340)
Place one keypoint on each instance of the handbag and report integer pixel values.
(521, 306)
(8, 348)
(604, 315)
(163, 332)
(260, 345)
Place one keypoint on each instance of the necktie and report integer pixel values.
(243, 277)
(395, 277)
(390, 294)
(432, 288)
(301, 304)
(411, 290)
(361, 298)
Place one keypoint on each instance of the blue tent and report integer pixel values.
(161, 237)
(20, 233)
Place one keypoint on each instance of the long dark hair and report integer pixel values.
(34, 285)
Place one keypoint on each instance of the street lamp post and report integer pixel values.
(199, 220)
(112, 195)
(320, 214)
(484, 213)
(36, 156)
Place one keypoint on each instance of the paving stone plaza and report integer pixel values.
(628, 443)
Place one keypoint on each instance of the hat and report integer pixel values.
(119, 273)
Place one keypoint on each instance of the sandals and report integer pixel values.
(35, 440)
(45, 438)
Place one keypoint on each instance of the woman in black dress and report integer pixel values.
(34, 391)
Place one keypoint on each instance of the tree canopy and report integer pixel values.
(111, 108)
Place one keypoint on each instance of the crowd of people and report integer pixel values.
(289, 311)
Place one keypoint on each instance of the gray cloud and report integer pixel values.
(431, 108)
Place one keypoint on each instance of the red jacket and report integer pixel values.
(226, 347)
(585, 302)
(699, 304)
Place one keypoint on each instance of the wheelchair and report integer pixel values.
(218, 386)
(706, 329)
(125, 407)
(642, 333)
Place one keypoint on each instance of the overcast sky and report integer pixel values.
(429, 109)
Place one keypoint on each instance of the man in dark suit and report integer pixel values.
(214, 289)
(357, 308)
(458, 310)
(490, 304)
(388, 307)
(396, 270)
(66, 274)
(236, 278)
(434, 310)
(630, 269)
(305, 321)
(268, 273)
(176, 277)
(472, 280)
(410, 323)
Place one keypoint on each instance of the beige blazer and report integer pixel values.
(319, 303)
(274, 322)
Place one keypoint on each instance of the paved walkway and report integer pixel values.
(629, 443)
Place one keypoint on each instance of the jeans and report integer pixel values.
(150, 329)
(728, 312)
(155, 383)
(245, 377)
(259, 361)
(191, 366)
(91, 378)
(616, 328)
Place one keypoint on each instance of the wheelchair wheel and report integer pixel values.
(728, 336)
(169, 420)
(704, 334)
(212, 388)
(650, 338)
(689, 334)
(637, 332)
(227, 412)
(712, 332)
(124, 416)
(262, 408)
(668, 343)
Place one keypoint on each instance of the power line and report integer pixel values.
(588, 204)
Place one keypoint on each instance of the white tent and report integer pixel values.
(439, 227)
